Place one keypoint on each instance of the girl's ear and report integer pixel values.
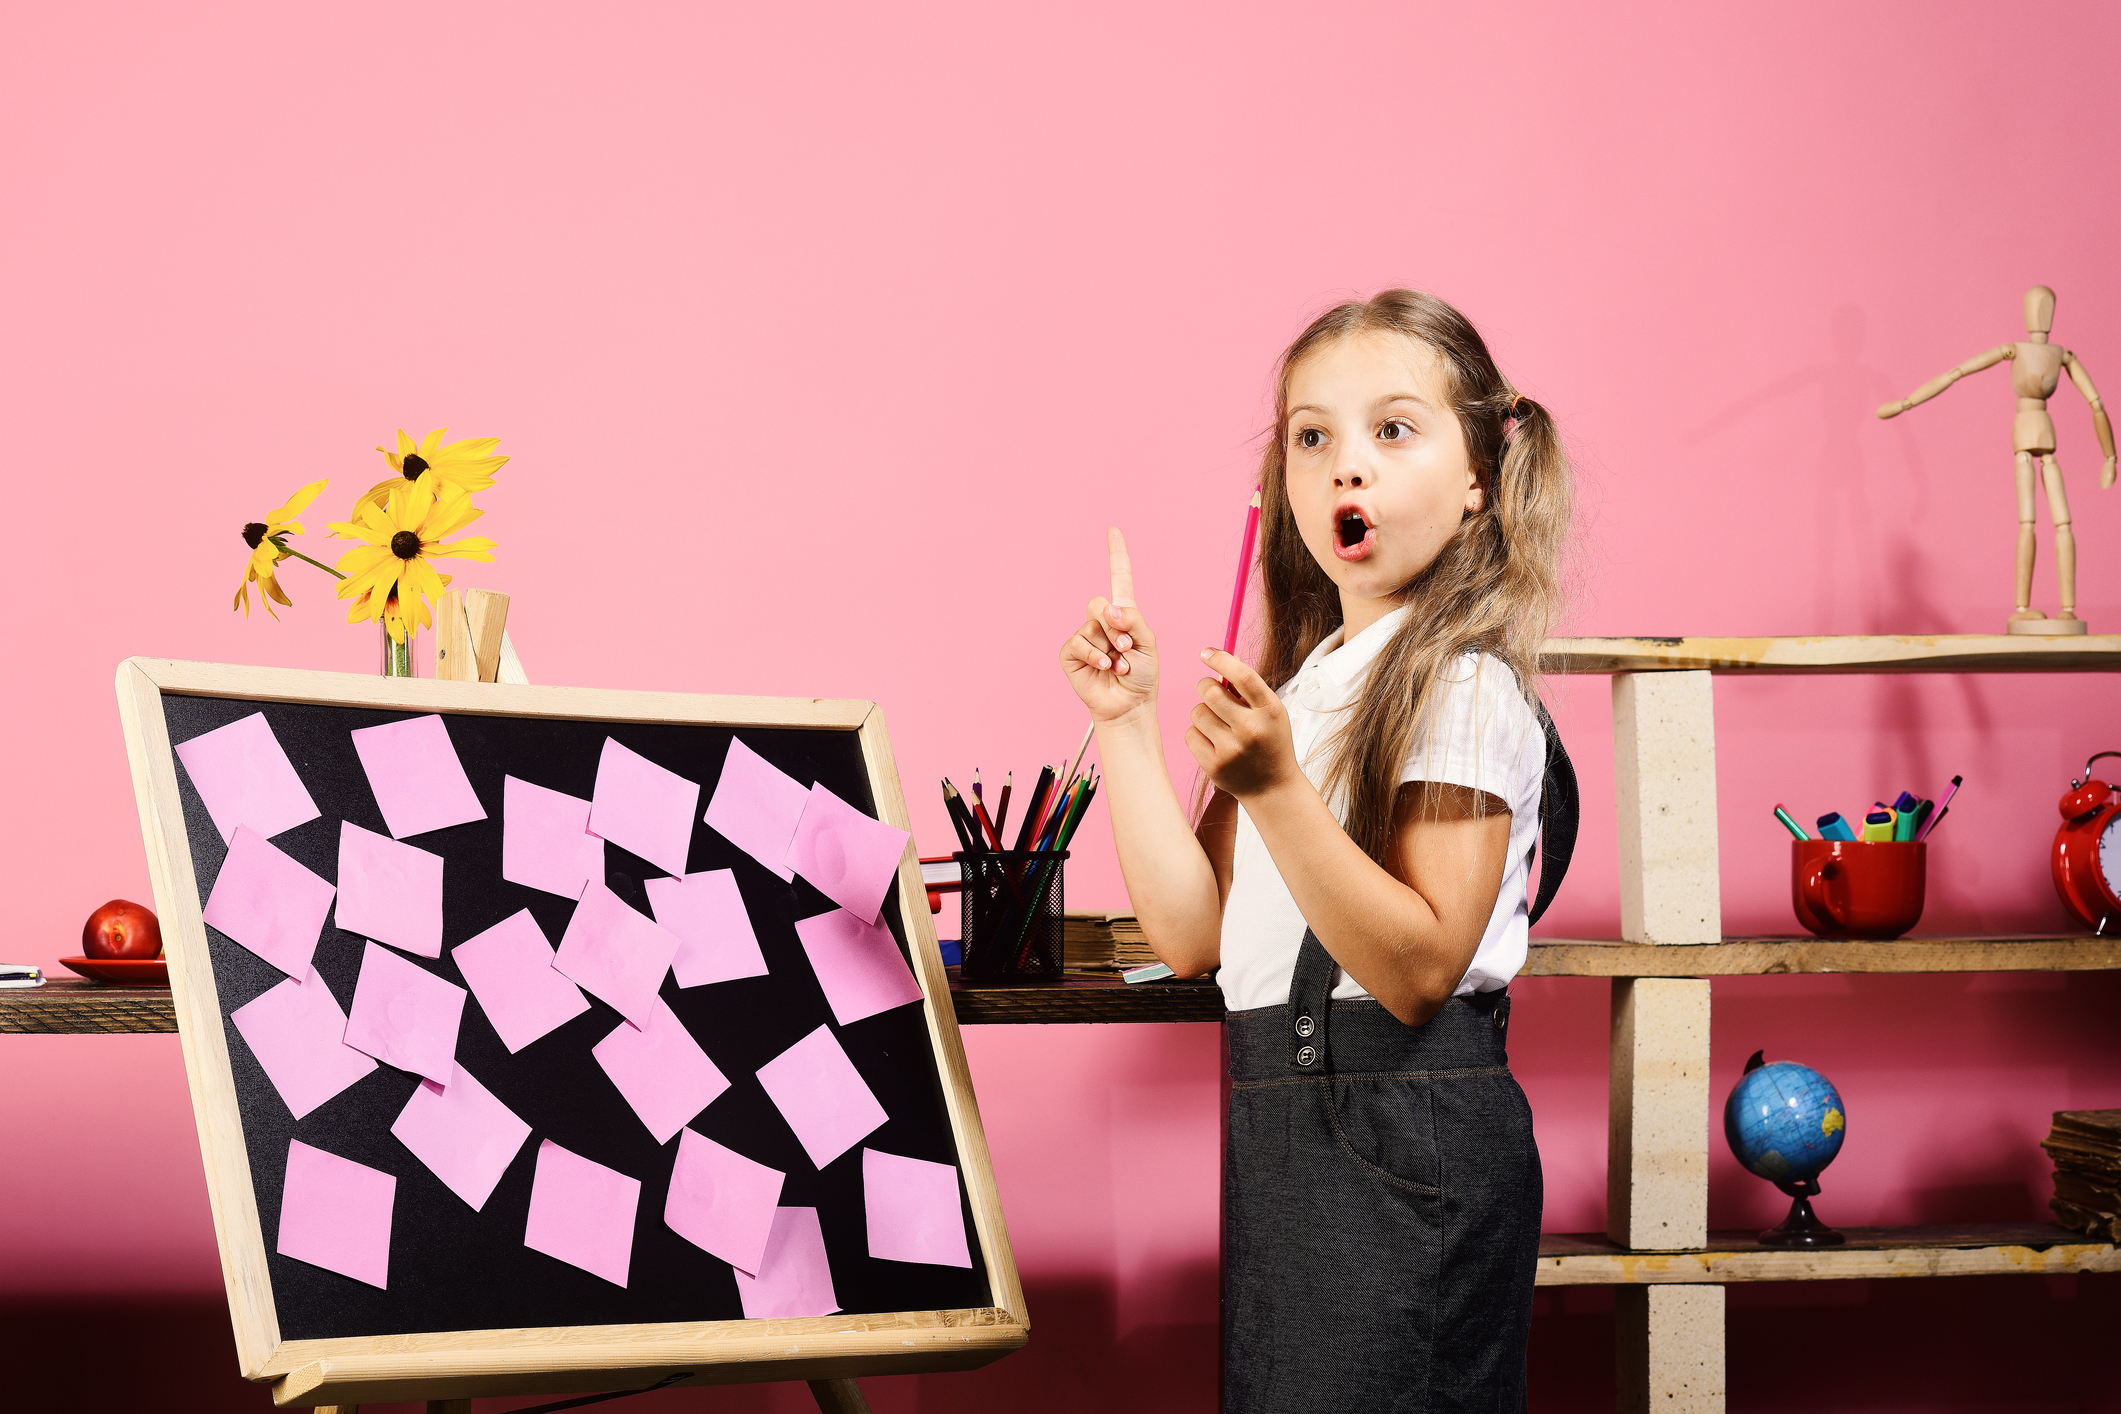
(1476, 497)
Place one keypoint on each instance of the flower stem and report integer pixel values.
(282, 543)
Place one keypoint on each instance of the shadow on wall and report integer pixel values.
(1851, 592)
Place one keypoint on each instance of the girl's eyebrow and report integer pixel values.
(1414, 398)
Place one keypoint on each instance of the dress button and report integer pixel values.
(1305, 1026)
(1307, 1055)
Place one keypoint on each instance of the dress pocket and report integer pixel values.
(1386, 1128)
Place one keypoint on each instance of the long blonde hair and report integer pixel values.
(1495, 586)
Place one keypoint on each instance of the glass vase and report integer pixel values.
(399, 658)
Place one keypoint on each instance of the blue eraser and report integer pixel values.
(953, 951)
(1154, 972)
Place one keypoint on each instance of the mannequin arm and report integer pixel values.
(2080, 376)
(1938, 384)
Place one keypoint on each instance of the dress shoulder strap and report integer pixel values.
(1558, 814)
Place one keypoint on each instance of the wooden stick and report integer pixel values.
(511, 667)
(487, 611)
(838, 1397)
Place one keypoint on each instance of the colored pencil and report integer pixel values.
(1035, 808)
(1001, 807)
(1244, 573)
(964, 841)
(974, 843)
(1076, 769)
(986, 824)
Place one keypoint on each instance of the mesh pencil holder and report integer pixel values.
(1015, 915)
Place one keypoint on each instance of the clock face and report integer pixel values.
(2110, 855)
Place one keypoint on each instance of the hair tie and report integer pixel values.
(1520, 408)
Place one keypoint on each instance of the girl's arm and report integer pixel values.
(1175, 886)
(1407, 934)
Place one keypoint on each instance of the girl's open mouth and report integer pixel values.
(1353, 536)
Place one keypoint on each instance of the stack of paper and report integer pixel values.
(2086, 1148)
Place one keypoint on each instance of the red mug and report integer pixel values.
(1857, 888)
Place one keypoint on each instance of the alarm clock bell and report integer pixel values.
(2087, 857)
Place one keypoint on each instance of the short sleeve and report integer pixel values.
(1481, 735)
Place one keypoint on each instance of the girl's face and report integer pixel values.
(1377, 468)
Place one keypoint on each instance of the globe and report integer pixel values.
(1785, 1121)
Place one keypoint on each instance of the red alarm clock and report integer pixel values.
(2088, 851)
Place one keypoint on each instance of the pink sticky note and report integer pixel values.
(414, 773)
(404, 1015)
(389, 891)
(715, 941)
(822, 1096)
(851, 858)
(245, 778)
(616, 955)
(509, 967)
(293, 1029)
(582, 1213)
(644, 808)
(795, 1278)
(857, 963)
(722, 1202)
(465, 1136)
(660, 1070)
(756, 807)
(913, 1210)
(545, 839)
(335, 1214)
(269, 903)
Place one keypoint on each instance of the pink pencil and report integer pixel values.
(1244, 574)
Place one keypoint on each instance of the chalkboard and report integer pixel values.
(473, 1300)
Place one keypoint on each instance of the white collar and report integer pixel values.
(1341, 660)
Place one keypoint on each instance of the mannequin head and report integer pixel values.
(2039, 313)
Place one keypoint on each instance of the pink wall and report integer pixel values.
(826, 341)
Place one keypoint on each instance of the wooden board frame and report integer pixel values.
(467, 1364)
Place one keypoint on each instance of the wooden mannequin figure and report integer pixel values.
(2036, 371)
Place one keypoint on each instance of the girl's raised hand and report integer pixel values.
(1240, 732)
(1111, 659)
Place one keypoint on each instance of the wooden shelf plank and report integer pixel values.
(1079, 999)
(1743, 957)
(1994, 1249)
(76, 1005)
(1874, 653)
(69, 1005)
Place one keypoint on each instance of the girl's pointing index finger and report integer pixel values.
(1122, 569)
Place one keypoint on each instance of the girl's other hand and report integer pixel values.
(1240, 732)
(1111, 659)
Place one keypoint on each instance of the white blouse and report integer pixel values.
(1486, 738)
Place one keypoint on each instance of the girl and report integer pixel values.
(1357, 879)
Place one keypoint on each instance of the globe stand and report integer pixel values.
(1802, 1227)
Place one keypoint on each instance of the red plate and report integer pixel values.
(122, 971)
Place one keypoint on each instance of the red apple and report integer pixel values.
(121, 929)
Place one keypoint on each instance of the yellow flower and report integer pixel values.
(468, 465)
(403, 535)
(266, 551)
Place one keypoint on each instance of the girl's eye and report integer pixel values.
(1310, 437)
(1396, 431)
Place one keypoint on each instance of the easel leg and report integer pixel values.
(838, 1397)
